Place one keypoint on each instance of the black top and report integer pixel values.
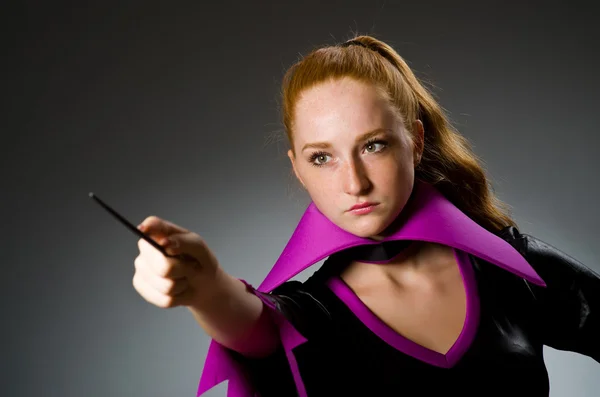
(509, 320)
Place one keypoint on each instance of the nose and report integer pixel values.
(355, 179)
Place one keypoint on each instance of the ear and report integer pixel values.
(293, 161)
(419, 141)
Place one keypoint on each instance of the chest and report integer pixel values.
(370, 340)
(428, 308)
(432, 317)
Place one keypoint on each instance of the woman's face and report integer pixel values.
(351, 148)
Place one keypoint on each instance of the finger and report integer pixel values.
(165, 286)
(160, 239)
(152, 295)
(161, 266)
(156, 225)
(191, 245)
(165, 266)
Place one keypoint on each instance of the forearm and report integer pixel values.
(235, 317)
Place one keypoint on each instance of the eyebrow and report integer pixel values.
(363, 137)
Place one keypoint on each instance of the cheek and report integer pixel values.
(396, 172)
(323, 190)
(391, 167)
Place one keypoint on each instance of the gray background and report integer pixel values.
(172, 109)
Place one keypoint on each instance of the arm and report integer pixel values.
(569, 307)
(234, 314)
(231, 313)
(254, 342)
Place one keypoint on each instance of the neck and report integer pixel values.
(419, 259)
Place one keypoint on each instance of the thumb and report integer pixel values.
(192, 245)
(154, 225)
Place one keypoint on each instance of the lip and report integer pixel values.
(362, 205)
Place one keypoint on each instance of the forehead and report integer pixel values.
(340, 108)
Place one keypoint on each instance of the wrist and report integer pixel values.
(213, 289)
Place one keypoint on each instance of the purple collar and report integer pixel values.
(428, 216)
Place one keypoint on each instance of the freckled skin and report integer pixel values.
(351, 172)
(426, 303)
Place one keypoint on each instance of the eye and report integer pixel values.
(372, 144)
(318, 156)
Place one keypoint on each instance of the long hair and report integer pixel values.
(448, 161)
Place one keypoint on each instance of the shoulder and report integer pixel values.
(304, 304)
(555, 267)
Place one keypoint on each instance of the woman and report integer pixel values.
(428, 286)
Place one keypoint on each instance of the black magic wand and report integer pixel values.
(136, 231)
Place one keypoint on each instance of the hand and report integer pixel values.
(169, 282)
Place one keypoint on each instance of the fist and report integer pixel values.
(172, 281)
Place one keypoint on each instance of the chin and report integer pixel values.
(365, 227)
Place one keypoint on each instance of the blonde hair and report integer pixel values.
(448, 162)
